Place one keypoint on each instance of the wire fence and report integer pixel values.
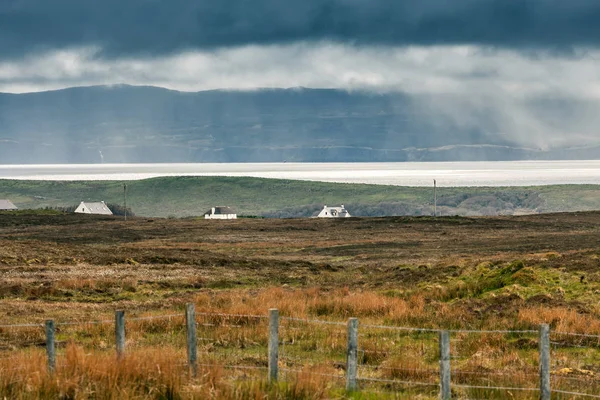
(472, 364)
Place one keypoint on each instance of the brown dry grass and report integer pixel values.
(443, 273)
(314, 353)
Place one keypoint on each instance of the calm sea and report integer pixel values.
(508, 173)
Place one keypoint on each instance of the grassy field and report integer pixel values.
(439, 273)
(192, 196)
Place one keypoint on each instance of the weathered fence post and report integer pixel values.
(352, 355)
(192, 346)
(545, 362)
(120, 333)
(50, 349)
(273, 344)
(444, 341)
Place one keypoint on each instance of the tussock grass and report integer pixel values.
(562, 319)
(232, 330)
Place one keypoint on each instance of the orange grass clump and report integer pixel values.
(562, 319)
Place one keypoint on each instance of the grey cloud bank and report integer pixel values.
(465, 70)
(464, 92)
(151, 27)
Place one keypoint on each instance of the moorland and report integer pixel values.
(479, 273)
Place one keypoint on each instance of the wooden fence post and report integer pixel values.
(352, 355)
(192, 344)
(273, 344)
(545, 393)
(50, 348)
(120, 333)
(444, 342)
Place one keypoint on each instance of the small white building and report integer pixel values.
(220, 213)
(93, 208)
(334, 212)
(7, 205)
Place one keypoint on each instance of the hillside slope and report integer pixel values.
(190, 196)
(148, 124)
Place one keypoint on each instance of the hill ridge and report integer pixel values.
(149, 124)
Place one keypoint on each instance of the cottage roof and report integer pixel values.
(339, 209)
(7, 205)
(221, 210)
(98, 208)
(327, 211)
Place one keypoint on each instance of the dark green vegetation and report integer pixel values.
(148, 124)
(192, 196)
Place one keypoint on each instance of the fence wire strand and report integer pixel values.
(396, 381)
(594, 396)
(306, 320)
(22, 325)
(313, 321)
(495, 387)
(576, 334)
(232, 315)
(299, 371)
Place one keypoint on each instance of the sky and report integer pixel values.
(518, 46)
(507, 54)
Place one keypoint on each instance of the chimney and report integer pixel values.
(213, 210)
(324, 207)
(342, 206)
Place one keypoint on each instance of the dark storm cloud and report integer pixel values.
(155, 27)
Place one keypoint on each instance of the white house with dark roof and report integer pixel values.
(7, 205)
(334, 212)
(93, 208)
(220, 213)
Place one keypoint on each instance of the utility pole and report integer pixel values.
(434, 198)
(125, 199)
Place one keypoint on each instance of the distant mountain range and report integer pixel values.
(148, 124)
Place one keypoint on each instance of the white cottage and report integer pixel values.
(7, 205)
(93, 208)
(220, 213)
(334, 212)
